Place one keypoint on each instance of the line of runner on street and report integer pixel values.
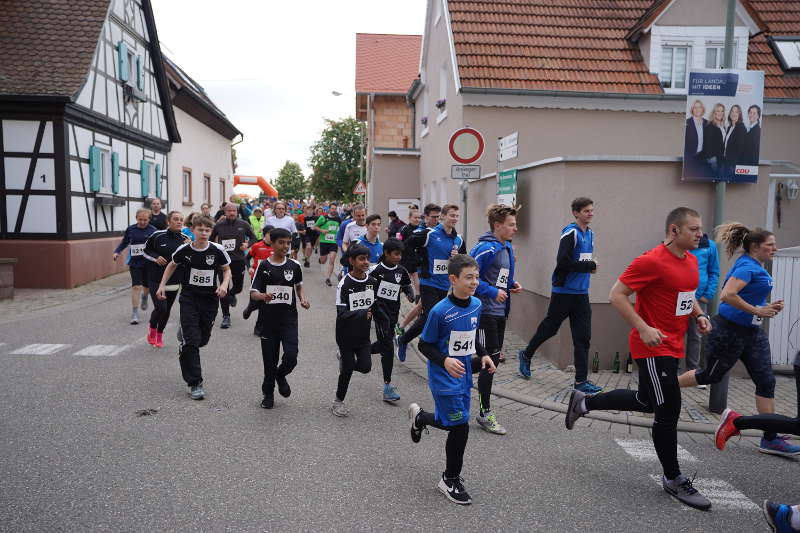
(462, 300)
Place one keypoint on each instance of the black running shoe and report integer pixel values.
(306, 264)
(232, 300)
(453, 488)
(248, 310)
(268, 402)
(283, 387)
(328, 282)
(574, 411)
(416, 431)
(226, 322)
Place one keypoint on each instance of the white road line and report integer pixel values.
(40, 349)
(722, 494)
(642, 450)
(102, 350)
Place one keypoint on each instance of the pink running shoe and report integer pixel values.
(159, 339)
(151, 336)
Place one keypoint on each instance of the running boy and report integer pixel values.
(392, 279)
(371, 241)
(199, 299)
(449, 342)
(328, 225)
(355, 296)
(275, 283)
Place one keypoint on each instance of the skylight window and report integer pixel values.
(788, 51)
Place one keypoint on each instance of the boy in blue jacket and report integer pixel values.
(495, 257)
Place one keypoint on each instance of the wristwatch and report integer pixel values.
(703, 315)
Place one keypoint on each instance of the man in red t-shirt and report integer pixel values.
(664, 280)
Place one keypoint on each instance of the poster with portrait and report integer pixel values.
(722, 136)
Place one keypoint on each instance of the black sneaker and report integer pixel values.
(454, 489)
(416, 431)
(574, 410)
(268, 402)
(283, 387)
(232, 300)
(328, 282)
(226, 322)
(306, 264)
(248, 310)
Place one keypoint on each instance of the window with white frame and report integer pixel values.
(206, 188)
(715, 55)
(186, 184)
(132, 69)
(105, 170)
(221, 191)
(788, 52)
(674, 67)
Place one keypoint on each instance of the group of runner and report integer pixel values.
(462, 302)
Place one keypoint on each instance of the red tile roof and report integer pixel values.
(585, 46)
(386, 63)
(47, 46)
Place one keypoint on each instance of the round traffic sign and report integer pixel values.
(466, 145)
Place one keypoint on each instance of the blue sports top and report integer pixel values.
(759, 285)
(439, 246)
(375, 249)
(574, 262)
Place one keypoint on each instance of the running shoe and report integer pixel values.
(232, 300)
(587, 387)
(778, 516)
(143, 303)
(226, 322)
(416, 431)
(453, 488)
(197, 392)
(524, 364)
(283, 387)
(268, 402)
(726, 429)
(488, 421)
(390, 393)
(328, 282)
(574, 408)
(135, 317)
(778, 446)
(502, 358)
(339, 408)
(151, 336)
(702, 387)
(306, 264)
(681, 488)
(159, 339)
(401, 350)
(248, 310)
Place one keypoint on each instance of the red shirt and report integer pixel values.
(258, 252)
(664, 286)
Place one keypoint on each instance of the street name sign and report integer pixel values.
(507, 147)
(465, 172)
(466, 145)
(507, 187)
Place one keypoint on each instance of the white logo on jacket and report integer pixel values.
(209, 259)
(288, 274)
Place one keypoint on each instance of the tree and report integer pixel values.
(290, 181)
(335, 160)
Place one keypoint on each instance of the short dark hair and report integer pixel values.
(431, 207)
(374, 216)
(459, 262)
(446, 208)
(757, 108)
(392, 214)
(678, 216)
(580, 202)
(279, 233)
(392, 245)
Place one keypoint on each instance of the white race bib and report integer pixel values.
(585, 257)
(201, 278)
(229, 244)
(502, 278)
(361, 300)
(137, 249)
(757, 320)
(461, 343)
(281, 294)
(440, 266)
(685, 303)
(389, 291)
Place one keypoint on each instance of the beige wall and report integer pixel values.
(697, 13)
(393, 176)
(392, 120)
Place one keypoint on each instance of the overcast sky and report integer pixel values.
(271, 66)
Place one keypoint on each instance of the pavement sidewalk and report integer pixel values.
(549, 388)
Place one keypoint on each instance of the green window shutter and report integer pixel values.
(158, 181)
(144, 171)
(139, 73)
(122, 62)
(95, 169)
(115, 172)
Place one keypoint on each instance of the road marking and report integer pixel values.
(40, 349)
(102, 350)
(722, 494)
(643, 450)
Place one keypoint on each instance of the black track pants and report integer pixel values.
(197, 319)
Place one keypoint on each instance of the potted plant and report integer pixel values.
(441, 103)
(424, 121)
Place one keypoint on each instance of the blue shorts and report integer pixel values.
(451, 409)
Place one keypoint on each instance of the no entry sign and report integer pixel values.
(466, 145)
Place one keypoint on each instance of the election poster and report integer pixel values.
(723, 122)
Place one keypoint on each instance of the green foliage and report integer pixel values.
(335, 160)
(290, 181)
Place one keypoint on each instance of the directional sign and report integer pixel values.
(508, 141)
(465, 172)
(508, 153)
(507, 187)
(466, 145)
(360, 188)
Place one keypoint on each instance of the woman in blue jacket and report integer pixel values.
(135, 238)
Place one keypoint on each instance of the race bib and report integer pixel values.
(311, 225)
(502, 278)
(201, 278)
(389, 291)
(757, 320)
(330, 236)
(461, 343)
(281, 294)
(361, 300)
(685, 303)
(229, 244)
(585, 256)
(137, 249)
(440, 266)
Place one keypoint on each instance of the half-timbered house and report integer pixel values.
(86, 124)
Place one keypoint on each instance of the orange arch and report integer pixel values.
(268, 189)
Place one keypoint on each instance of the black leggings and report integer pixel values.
(659, 393)
(491, 331)
(456, 442)
(358, 359)
(429, 296)
(384, 329)
(769, 424)
(161, 308)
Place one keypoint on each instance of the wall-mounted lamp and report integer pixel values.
(792, 190)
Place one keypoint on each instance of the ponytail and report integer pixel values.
(735, 235)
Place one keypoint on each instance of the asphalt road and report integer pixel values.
(76, 455)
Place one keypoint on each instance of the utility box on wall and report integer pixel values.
(784, 329)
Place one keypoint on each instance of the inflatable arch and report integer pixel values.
(268, 189)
